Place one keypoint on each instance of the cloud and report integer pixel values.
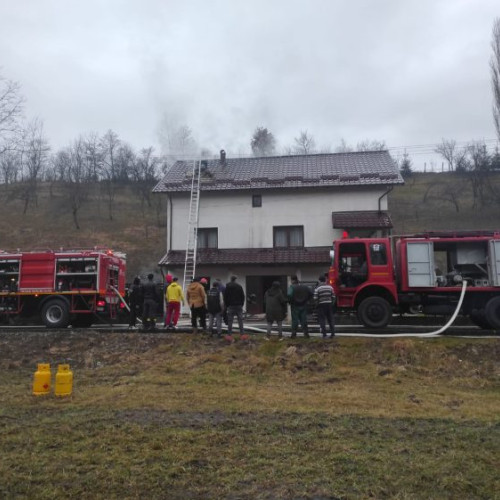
(404, 72)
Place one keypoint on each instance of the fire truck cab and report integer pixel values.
(61, 288)
(377, 277)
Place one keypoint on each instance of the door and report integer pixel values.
(494, 261)
(256, 287)
(420, 257)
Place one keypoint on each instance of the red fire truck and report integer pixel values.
(377, 277)
(63, 287)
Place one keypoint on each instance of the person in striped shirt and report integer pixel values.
(324, 297)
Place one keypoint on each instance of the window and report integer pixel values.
(378, 255)
(256, 200)
(288, 236)
(207, 237)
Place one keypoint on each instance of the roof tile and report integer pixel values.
(361, 219)
(333, 169)
(227, 256)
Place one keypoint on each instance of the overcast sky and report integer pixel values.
(407, 72)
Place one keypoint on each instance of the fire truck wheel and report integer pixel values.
(375, 312)
(479, 319)
(55, 314)
(492, 312)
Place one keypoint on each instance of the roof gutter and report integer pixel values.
(389, 189)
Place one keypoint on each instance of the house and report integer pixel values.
(266, 219)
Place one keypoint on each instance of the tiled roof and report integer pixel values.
(361, 219)
(271, 172)
(210, 256)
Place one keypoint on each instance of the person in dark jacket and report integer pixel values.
(135, 303)
(215, 308)
(234, 298)
(150, 296)
(298, 296)
(275, 303)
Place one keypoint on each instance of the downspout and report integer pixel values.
(171, 208)
(389, 189)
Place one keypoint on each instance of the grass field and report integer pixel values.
(179, 416)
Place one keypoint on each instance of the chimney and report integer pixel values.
(222, 157)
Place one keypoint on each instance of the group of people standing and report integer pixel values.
(225, 303)
(299, 297)
(219, 302)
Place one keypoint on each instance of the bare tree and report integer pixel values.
(10, 166)
(304, 144)
(451, 153)
(35, 151)
(371, 145)
(109, 145)
(125, 160)
(11, 112)
(145, 174)
(95, 156)
(263, 142)
(450, 191)
(495, 74)
(478, 167)
(77, 178)
(61, 164)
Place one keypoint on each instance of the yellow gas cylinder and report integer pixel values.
(64, 381)
(41, 379)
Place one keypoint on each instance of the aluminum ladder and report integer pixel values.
(192, 233)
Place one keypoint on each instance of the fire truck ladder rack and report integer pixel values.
(192, 233)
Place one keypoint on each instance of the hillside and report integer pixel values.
(133, 225)
(138, 224)
(445, 201)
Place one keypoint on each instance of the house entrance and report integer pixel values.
(256, 287)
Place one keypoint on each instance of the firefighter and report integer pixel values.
(150, 304)
(135, 303)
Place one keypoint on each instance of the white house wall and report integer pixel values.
(242, 226)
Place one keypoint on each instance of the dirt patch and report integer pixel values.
(82, 348)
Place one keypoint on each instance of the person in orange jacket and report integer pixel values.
(196, 298)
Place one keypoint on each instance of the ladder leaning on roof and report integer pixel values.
(192, 233)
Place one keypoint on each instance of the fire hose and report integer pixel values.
(393, 335)
(124, 302)
(428, 334)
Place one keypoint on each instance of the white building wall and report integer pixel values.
(242, 226)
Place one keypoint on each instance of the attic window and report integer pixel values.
(256, 200)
